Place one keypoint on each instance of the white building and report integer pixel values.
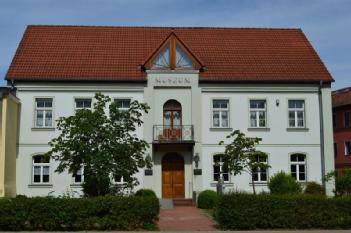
(201, 84)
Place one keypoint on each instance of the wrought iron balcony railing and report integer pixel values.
(167, 134)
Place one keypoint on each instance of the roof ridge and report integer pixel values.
(164, 27)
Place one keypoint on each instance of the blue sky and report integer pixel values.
(327, 23)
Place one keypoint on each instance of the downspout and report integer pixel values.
(321, 131)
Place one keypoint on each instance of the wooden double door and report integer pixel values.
(173, 176)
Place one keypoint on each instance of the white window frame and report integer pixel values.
(44, 109)
(82, 177)
(123, 99)
(82, 99)
(220, 110)
(221, 167)
(257, 112)
(296, 110)
(259, 174)
(296, 164)
(41, 165)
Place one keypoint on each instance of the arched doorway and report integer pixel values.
(172, 120)
(172, 176)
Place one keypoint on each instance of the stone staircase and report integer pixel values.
(183, 202)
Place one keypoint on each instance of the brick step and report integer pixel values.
(183, 202)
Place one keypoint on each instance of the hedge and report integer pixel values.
(57, 214)
(249, 212)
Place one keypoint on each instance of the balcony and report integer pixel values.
(177, 134)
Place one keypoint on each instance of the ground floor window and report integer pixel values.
(78, 178)
(260, 174)
(219, 168)
(298, 166)
(41, 169)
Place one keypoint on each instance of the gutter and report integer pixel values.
(321, 131)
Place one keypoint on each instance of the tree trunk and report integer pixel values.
(253, 185)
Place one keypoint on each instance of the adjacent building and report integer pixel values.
(342, 128)
(9, 122)
(201, 84)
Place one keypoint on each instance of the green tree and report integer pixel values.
(241, 155)
(103, 143)
(342, 182)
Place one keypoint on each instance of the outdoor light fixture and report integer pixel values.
(196, 160)
(148, 158)
(277, 102)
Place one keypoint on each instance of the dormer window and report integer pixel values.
(173, 56)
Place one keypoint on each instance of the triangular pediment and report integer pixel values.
(172, 54)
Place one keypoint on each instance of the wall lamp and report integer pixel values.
(277, 102)
(196, 160)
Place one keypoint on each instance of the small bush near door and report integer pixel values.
(63, 214)
(207, 199)
(249, 212)
(145, 193)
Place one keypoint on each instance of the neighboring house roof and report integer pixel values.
(341, 97)
(68, 53)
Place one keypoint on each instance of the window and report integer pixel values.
(348, 148)
(41, 169)
(257, 113)
(259, 174)
(335, 150)
(43, 112)
(83, 104)
(334, 120)
(296, 113)
(78, 178)
(123, 104)
(172, 56)
(220, 113)
(218, 168)
(120, 180)
(347, 119)
(298, 166)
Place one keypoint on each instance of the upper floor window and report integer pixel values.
(260, 174)
(83, 104)
(258, 113)
(348, 148)
(298, 166)
(173, 55)
(296, 113)
(347, 119)
(220, 113)
(335, 150)
(123, 104)
(219, 168)
(41, 169)
(43, 112)
(334, 120)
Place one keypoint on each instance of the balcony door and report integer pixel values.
(172, 120)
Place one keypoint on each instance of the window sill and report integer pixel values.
(40, 185)
(221, 129)
(43, 129)
(297, 129)
(75, 185)
(258, 129)
(261, 183)
(225, 184)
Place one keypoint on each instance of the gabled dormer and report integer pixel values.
(173, 54)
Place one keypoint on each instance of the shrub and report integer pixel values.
(314, 188)
(249, 212)
(343, 183)
(282, 183)
(145, 193)
(62, 214)
(207, 199)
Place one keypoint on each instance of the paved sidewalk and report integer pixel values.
(185, 218)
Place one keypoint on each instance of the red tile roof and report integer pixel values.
(341, 97)
(59, 53)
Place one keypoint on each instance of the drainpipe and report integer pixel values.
(321, 130)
